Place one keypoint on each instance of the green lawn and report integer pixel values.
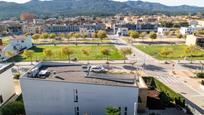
(178, 52)
(95, 53)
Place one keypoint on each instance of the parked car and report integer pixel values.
(98, 69)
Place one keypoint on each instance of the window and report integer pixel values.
(1, 99)
(125, 113)
(76, 110)
(75, 95)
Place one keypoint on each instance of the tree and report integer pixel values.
(62, 35)
(171, 33)
(76, 36)
(125, 52)
(13, 108)
(26, 34)
(35, 36)
(134, 34)
(165, 52)
(47, 53)
(102, 34)
(86, 52)
(106, 52)
(143, 34)
(69, 36)
(44, 35)
(112, 111)
(94, 35)
(84, 35)
(153, 35)
(189, 51)
(52, 35)
(9, 54)
(179, 36)
(28, 54)
(68, 52)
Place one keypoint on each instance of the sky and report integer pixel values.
(166, 2)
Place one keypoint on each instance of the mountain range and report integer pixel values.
(91, 7)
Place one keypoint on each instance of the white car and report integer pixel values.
(98, 69)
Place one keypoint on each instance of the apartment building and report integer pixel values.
(7, 89)
(52, 88)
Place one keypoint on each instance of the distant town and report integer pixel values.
(111, 65)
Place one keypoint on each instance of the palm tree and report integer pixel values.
(106, 52)
(47, 53)
(68, 52)
(28, 54)
(112, 111)
(125, 52)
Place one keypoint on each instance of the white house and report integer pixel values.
(15, 46)
(122, 32)
(7, 89)
(162, 30)
(63, 89)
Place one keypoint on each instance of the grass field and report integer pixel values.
(178, 52)
(94, 50)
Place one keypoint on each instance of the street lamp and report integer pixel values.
(202, 64)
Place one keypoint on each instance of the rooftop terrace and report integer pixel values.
(76, 74)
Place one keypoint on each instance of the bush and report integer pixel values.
(17, 76)
(200, 75)
(14, 108)
(167, 95)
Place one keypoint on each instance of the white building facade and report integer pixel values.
(87, 31)
(7, 89)
(122, 32)
(63, 97)
(162, 31)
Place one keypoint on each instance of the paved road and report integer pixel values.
(186, 86)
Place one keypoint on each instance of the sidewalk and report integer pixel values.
(81, 62)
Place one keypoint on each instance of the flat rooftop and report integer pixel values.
(76, 74)
(4, 67)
